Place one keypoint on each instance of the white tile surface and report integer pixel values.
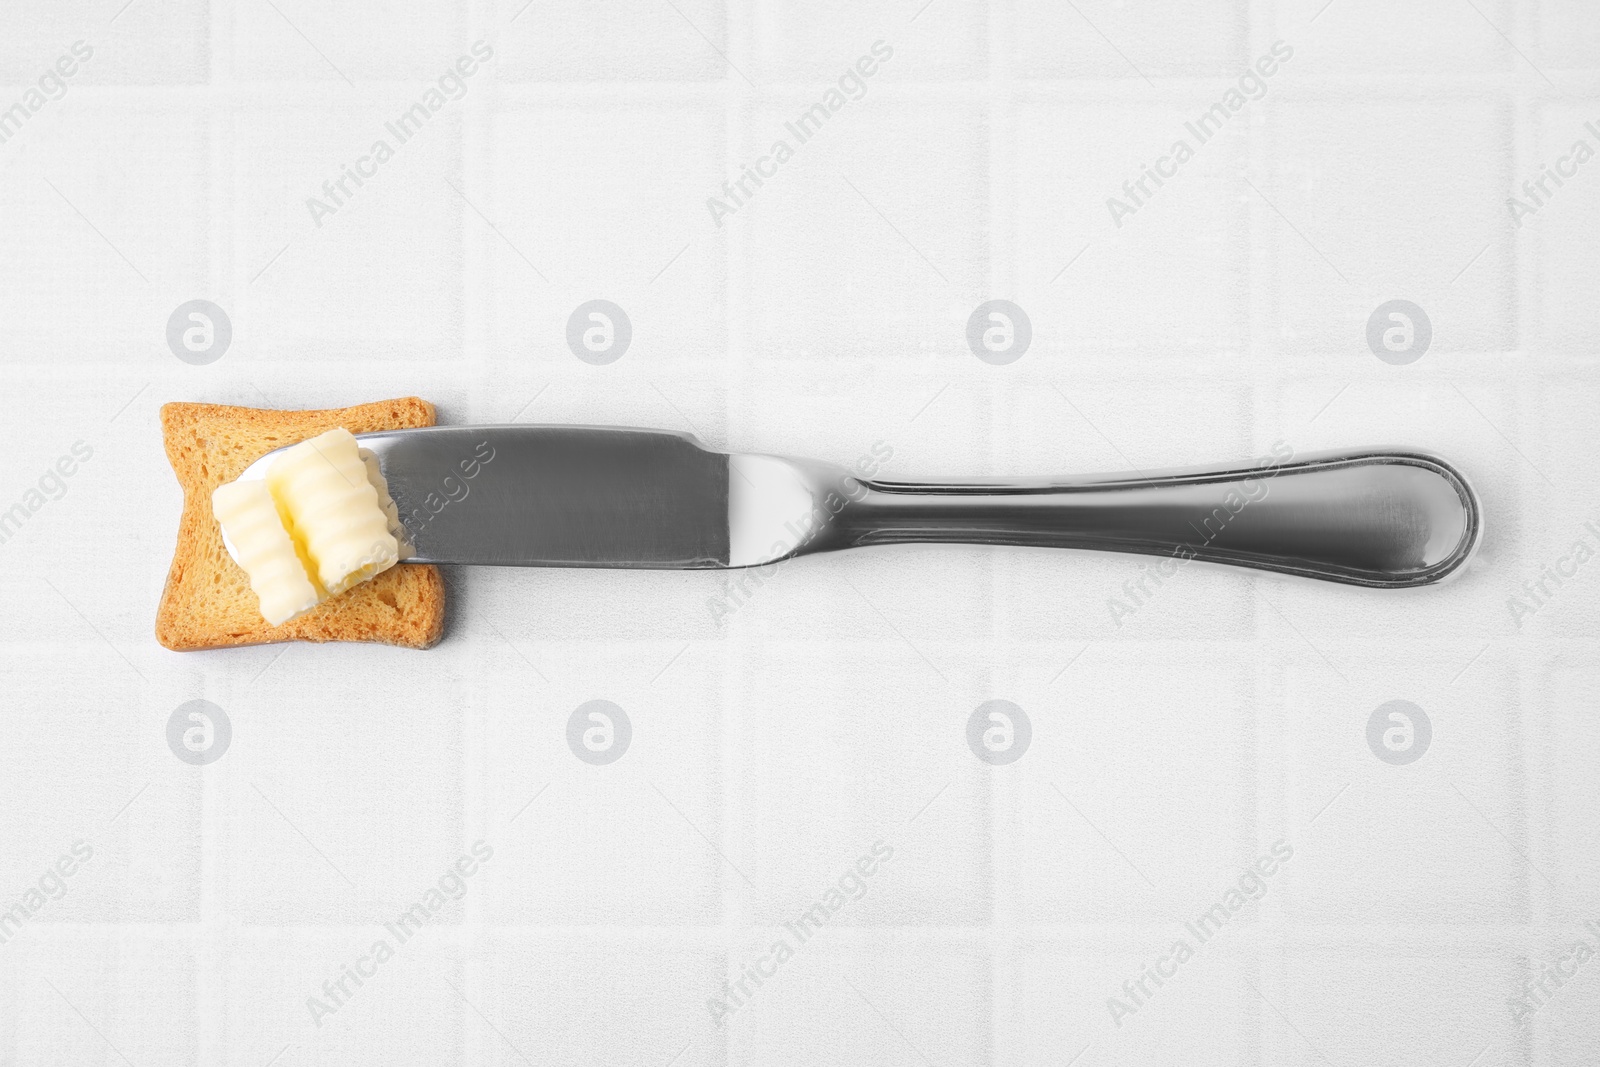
(774, 744)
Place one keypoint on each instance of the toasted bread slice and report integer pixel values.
(208, 602)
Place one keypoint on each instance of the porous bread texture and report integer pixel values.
(208, 602)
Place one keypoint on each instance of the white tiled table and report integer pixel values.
(773, 748)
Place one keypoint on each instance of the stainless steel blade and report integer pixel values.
(557, 496)
(554, 496)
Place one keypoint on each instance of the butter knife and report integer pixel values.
(597, 496)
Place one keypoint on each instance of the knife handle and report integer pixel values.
(1387, 519)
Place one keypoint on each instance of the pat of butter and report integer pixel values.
(315, 522)
(265, 550)
(333, 510)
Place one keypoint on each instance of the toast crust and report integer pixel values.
(208, 602)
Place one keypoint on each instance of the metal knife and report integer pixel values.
(599, 496)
